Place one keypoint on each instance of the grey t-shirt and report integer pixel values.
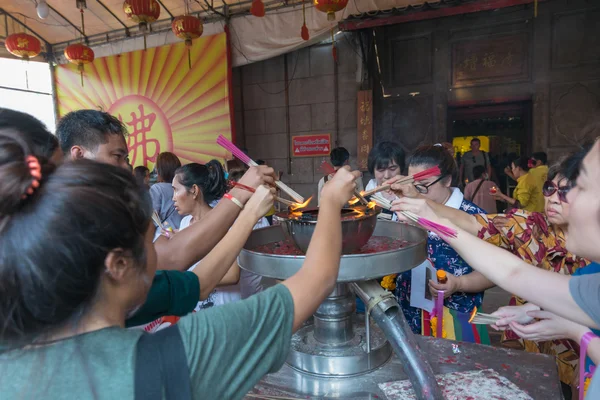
(470, 160)
(229, 349)
(585, 290)
(162, 202)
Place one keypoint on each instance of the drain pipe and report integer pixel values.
(387, 314)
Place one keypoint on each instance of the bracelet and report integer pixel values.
(234, 200)
(583, 346)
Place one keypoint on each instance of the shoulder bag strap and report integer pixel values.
(161, 363)
(477, 189)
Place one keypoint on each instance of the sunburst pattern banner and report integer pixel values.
(165, 105)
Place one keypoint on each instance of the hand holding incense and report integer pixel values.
(406, 180)
(328, 169)
(243, 157)
(288, 203)
(434, 227)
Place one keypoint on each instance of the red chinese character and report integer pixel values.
(142, 125)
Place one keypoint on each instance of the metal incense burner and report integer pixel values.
(358, 224)
(337, 343)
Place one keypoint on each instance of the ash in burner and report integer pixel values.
(376, 244)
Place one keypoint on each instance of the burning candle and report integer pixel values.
(493, 190)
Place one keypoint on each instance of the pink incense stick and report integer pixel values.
(428, 173)
(243, 157)
(436, 228)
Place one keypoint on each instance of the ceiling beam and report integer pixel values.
(166, 9)
(115, 17)
(7, 14)
(69, 22)
(485, 5)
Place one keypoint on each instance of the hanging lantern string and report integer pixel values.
(304, 11)
(82, 22)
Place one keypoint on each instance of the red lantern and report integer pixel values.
(257, 8)
(143, 12)
(188, 28)
(330, 7)
(23, 45)
(80, 55)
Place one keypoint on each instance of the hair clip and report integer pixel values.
(35, 170)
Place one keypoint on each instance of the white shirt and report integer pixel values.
(222, 294)
(248, 285)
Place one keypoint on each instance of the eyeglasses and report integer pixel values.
(550, 188)
(424, 189)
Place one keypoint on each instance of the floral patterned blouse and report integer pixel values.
(530, 236)
(443, 257)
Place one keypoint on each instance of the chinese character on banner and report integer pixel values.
(364, 138)
(141, 126)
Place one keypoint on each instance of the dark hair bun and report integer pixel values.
(210, 178)
(15, 174)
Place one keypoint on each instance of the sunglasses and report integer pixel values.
(424, 189)
(550, 188)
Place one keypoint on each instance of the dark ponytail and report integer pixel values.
(210, 178)
(430, 156)
(54, 242)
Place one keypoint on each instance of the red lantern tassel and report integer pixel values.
(304, 31)
(258, 8)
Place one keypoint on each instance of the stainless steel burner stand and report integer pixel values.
(336, 344)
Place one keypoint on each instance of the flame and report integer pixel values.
(295, 214)
(371, 205)
(353, 201)
(298, 206)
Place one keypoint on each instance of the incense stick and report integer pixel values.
(419, 176)
(434, 227)
(243, 157)
(277, 198)
(329, 170)
(156, 219)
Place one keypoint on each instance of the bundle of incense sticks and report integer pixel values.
(288, 203)
(156, 219)
(329, 170)
(243, 157)
(478, 318)
(419, 176)
(434, 227)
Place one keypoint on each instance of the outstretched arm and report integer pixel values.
(318, 275)
(185, 248)
(217, 263)
(410, 200)
(551, 290)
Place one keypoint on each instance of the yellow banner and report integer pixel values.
(164, 105)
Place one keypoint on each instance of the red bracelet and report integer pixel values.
(234, 200)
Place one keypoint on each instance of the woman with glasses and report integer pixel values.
(439, 190)
(539, 239)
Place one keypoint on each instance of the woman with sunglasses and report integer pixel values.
(539, 239)
(439, 190)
